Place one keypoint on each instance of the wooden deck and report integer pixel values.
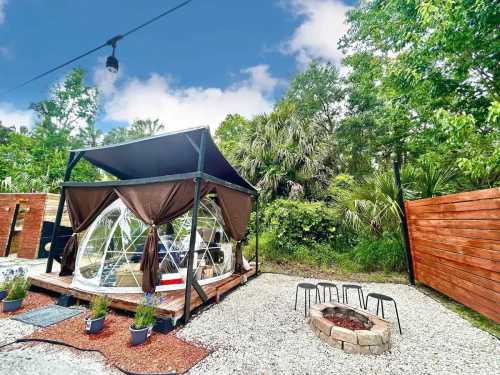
(173, 301)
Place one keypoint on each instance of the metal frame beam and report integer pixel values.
(404, 225)
(190, 280)
(229, 185)
(257, 229)
(72, 161)
(136, 181)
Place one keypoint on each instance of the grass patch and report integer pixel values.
(330, 272)
(473, 317)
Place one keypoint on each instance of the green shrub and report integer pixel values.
(99, 306)
(294, 222)
(18, 288)
(382, 254)
(306, 232)
(266, 246)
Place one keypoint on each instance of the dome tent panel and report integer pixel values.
(115, 243)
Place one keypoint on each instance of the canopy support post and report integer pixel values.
(192, 241)
(73, 159)
(257, 235)
(404, 225)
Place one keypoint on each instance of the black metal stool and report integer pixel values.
(380, 302)
(325, 285)
(345, 289)
(307, 288)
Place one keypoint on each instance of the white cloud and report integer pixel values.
(185, 107)
(11, 116)
(322, 27)
(3, 3)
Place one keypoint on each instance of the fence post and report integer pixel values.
(404, 225)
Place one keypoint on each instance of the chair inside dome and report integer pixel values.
(110, 252)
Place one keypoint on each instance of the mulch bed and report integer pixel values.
(32, 301)
(162, 353)
(345, 322)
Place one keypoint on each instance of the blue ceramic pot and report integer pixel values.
(3, 294)
(139, 336)
(94, 325)
(8, 306)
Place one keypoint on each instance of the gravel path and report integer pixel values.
(256, 331)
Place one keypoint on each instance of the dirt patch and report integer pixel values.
(162, 353)
(32, 301)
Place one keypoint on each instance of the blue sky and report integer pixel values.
(191, 68)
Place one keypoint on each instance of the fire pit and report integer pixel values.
(350, 329)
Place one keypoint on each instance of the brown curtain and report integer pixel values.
(156, 204)
(84, 205)
(236, 207)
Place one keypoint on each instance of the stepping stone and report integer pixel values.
(47, 316)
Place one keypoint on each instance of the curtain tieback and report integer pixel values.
(74, 234)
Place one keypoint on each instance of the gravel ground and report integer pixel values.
(256, 331)
(47, 359)
(11, 330)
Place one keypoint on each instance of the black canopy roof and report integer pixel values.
(164, 155)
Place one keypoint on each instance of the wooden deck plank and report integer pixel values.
(173, 301)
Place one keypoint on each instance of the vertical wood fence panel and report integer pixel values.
(455, 245)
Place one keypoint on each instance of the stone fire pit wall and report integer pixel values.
(375, 339)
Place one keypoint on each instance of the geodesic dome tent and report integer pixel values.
(110, 251)
(168, 222)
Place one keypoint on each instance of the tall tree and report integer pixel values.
(411, 59)
(71, 103)
(317, 94)
(230, 133)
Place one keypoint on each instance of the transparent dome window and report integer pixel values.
(111, 250)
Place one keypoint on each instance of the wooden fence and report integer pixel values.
(455, 245)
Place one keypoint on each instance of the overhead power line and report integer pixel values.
(111, 42)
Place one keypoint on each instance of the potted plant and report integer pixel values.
(144, 319)
(17, 290)
(3, 289)
(94, 321)
(7, 277)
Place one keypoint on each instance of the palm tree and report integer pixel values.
(145, 128)
(371, 206)
(283, 151)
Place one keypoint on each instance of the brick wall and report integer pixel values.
(33, 207)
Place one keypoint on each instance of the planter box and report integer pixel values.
(8, 306)
(139, 336)
(3, 294)
(94, 325)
